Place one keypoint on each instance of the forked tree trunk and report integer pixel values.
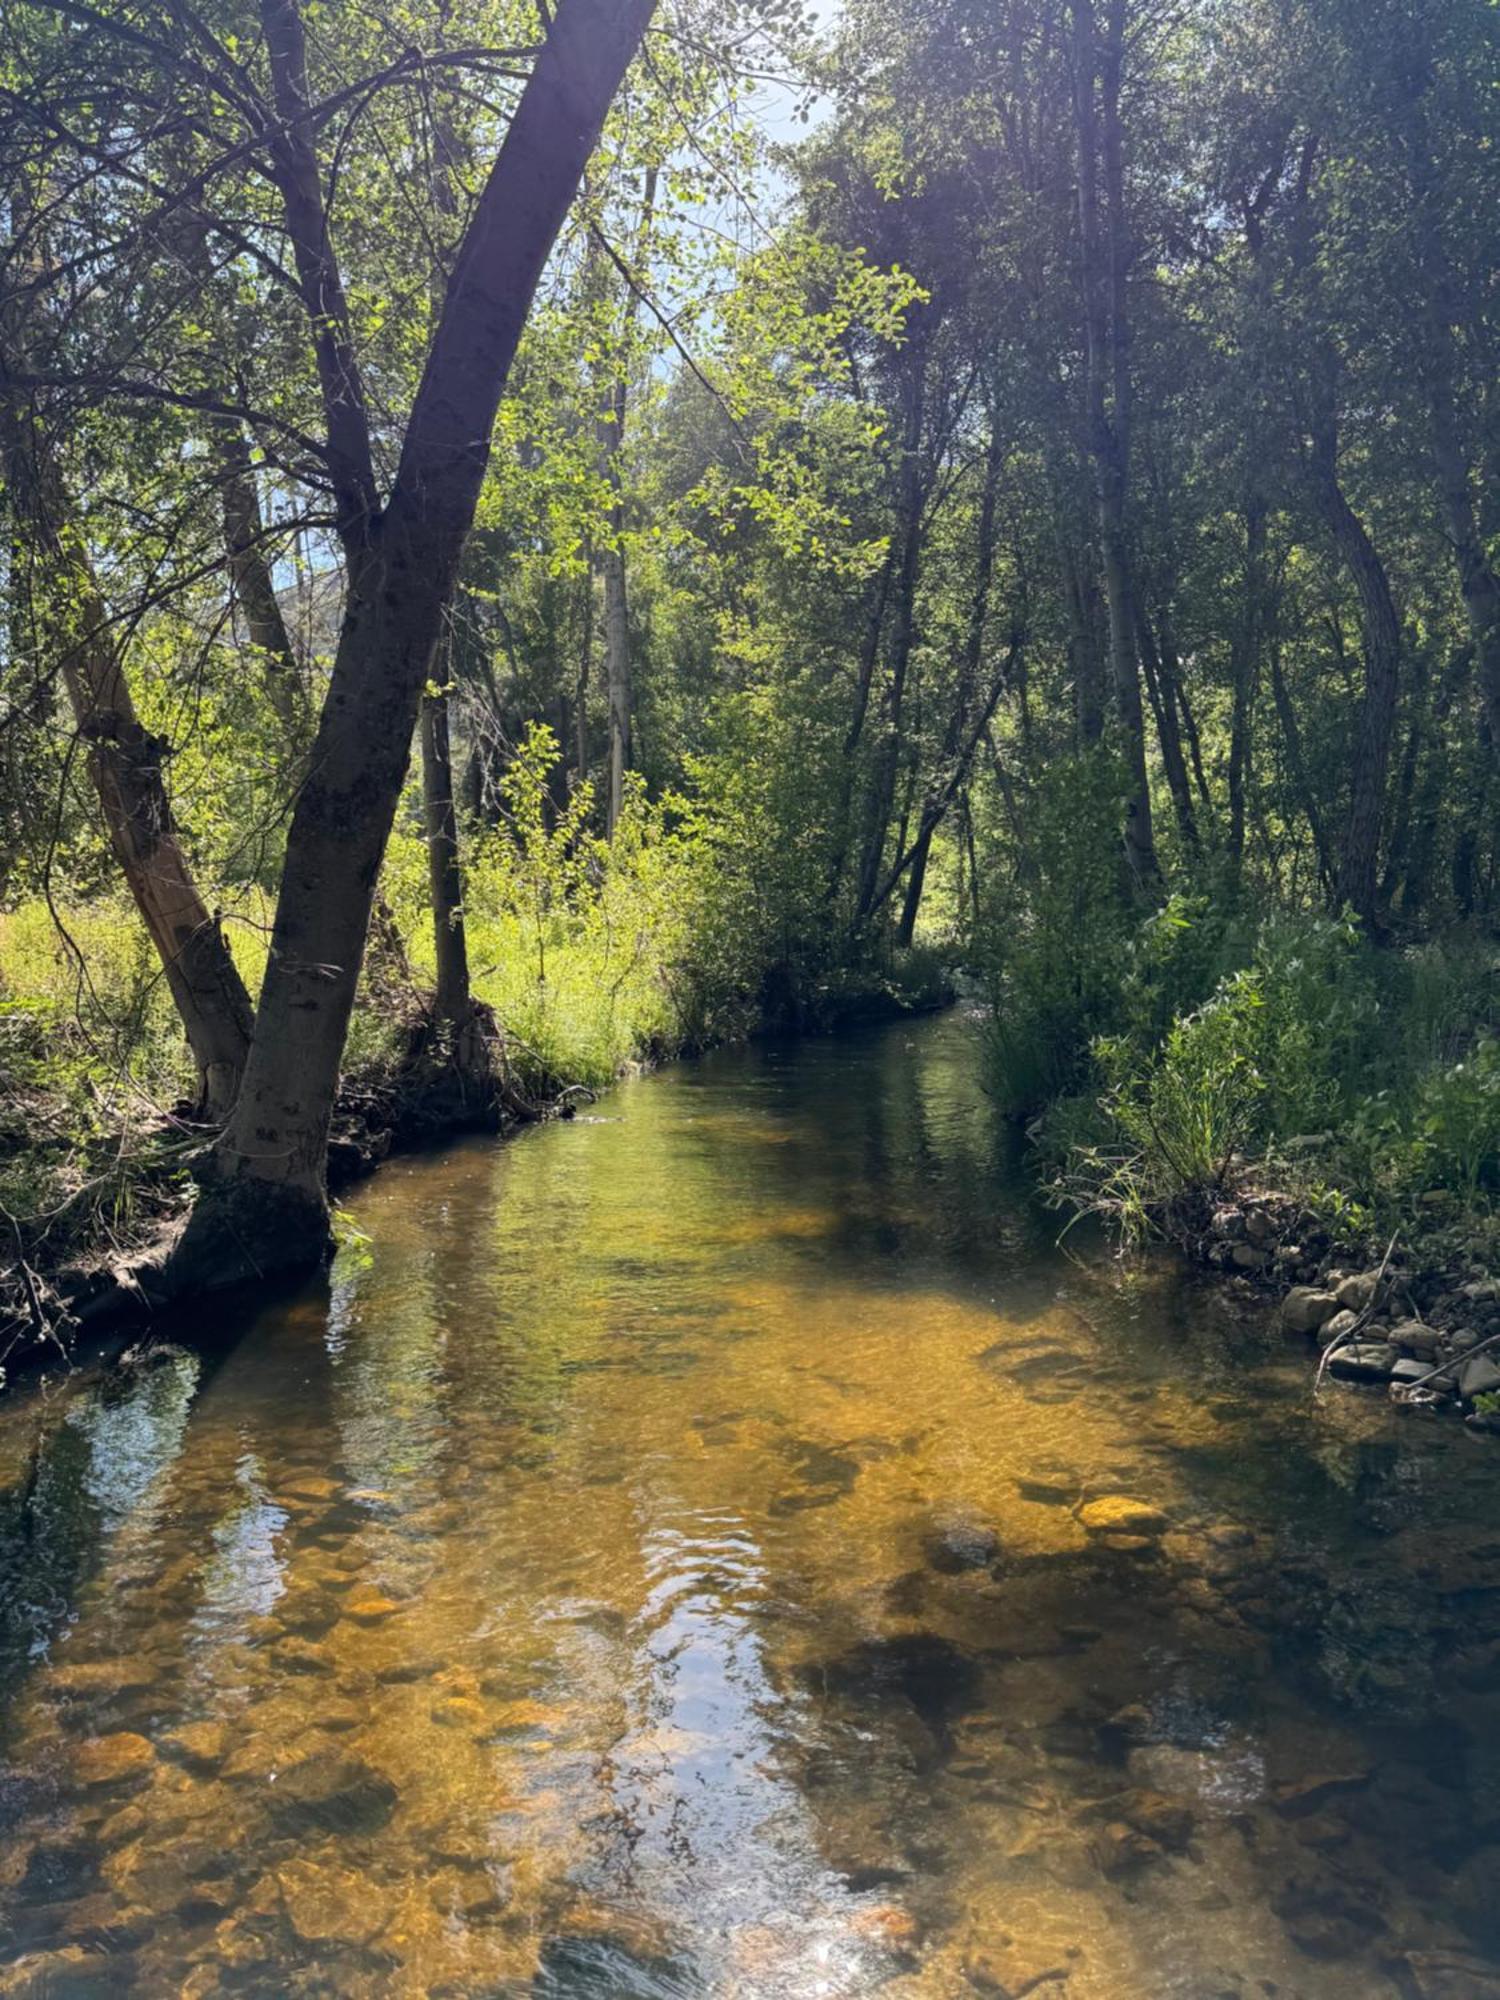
(264, 1205)
(125, 763)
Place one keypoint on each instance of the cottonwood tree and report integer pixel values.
(265, 120)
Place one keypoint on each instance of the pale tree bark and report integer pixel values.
(1478, 583)
(253, 584)
(1105, 260)
(264, 1204)
(452, 1001)
(126, 764)
(617, 665)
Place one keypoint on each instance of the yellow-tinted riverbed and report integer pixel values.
(672, 1559)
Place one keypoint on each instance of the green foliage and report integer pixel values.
(1324, 1063)
(1050, 940)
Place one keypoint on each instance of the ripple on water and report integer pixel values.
(721, 1549)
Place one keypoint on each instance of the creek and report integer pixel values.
(721, 1545)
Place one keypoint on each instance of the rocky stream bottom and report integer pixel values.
(721, 1548)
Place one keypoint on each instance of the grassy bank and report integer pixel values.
(1199, 1070)
(590, 957)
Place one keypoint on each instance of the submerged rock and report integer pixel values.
(1119, 1848)
(114, 1760)
(326, 1904)
(332, 1794)
(1166, 1821)
(957, 1545)
(1301, 1796)
(1119, 1514)
(1364, 1361)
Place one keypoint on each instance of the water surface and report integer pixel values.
(671, 1559)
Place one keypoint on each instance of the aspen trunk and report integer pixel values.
(445, 880)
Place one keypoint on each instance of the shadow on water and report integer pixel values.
(723, 1547)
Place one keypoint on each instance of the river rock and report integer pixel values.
(1166, 1821)
(302, 1656)
(1302, 1796)
(164, 1876)
(1451, 1975)
(83, 1680)
(369, 1606)
(954, 1546)
(1305, 1309)
(42, 1975)
(201, 1746)
(1411, 1368)
(1415, 1336)
(329, 1793)
(1339, 1327)
(114, 1760)
(1479, 1376)
(326, 1904)
(1249, 1257)
(1119, 1514)
(1119, 1848)
(1364, 1361)
(1358, 1292)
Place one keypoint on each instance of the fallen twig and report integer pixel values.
(1348, 1338)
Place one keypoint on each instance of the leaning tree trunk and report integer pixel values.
(126, 765)
(264, 1205)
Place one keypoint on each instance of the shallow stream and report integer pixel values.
(720, 1546)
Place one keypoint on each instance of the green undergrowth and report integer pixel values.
(1291, 1053)
(593, 956)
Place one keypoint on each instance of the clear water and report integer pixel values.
(666, 1561)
